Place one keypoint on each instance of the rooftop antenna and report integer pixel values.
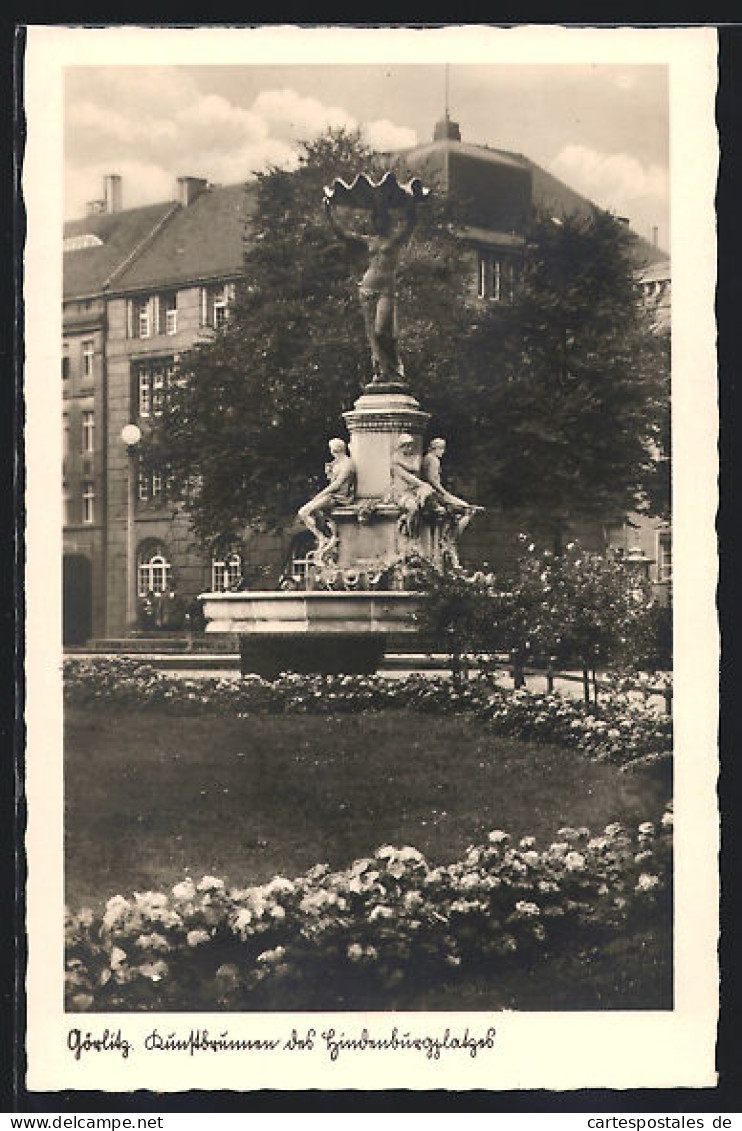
(446, 130)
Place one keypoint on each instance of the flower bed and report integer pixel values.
(625, 733)
(385, 926)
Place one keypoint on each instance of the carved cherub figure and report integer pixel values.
(340, 490)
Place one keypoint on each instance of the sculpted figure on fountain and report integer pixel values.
(459, 509)
(339, 492)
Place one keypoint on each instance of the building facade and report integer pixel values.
(141, 286)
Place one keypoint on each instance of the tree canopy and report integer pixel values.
(551, 402)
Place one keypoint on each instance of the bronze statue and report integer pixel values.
(459, 509)
(339, 492)
(377, 288)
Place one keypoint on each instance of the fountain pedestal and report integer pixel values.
(355, 597)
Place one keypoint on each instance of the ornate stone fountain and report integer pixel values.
(384, 513)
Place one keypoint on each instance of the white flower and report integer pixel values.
(150, 900)
(118, 957)
(531, 858)
(525, 908)
(646, 828)
(116, 911)
(355, 952)
(279, 884)
(153, 942)
(210, 883)
(381, 912)
(154, 970)
(646, 882)
(195, 938)
(274, 955)
(185, 890)
(527, 842)
(497, 836)
(574, 862)
(242, 921)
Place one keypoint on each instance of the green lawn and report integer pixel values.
(150, 798)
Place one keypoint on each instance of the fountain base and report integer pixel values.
(322, 631)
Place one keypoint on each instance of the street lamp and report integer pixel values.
(130, 436)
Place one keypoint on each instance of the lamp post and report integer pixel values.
(130, 435)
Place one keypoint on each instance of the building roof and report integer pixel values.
(547, 192)
(201, 241)
(87, 269)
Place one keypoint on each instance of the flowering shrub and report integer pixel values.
(386, 924)
(577, 607)
(620, 729)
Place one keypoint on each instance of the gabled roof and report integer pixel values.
(87, 269)
(201, 241)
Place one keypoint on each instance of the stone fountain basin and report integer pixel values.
(311, 632)
(321, 612)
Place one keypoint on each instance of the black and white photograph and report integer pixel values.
(372, 455)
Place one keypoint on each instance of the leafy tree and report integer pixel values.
(578, 396)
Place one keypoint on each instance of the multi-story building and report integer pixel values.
(143, 285)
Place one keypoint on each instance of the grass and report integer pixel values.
(150, 798)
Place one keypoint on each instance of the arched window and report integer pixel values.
(154, 572)
(226, 571)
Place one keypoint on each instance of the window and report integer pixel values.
(226, 572)
(158, 389)
(88, 503)
(65, 362)
(154, 572)
(150, 315)
(497, 278)
(144, 381)
(88, 352)
(151, 484)
(88, 432)
(167, 313)
(153, 379)
(215, 305)
(66, 503)
(664, 555)
(139, 324)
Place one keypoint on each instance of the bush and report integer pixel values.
(618, 729)
(576, 608)
(387, 924)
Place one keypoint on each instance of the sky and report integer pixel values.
(602, 129)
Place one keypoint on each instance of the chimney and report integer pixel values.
(446, 130)
(655, 235)
(189, 188)
(112, 192)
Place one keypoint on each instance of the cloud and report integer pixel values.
(386, 136)
(290, 114)
(613, 180)
(152, 124)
